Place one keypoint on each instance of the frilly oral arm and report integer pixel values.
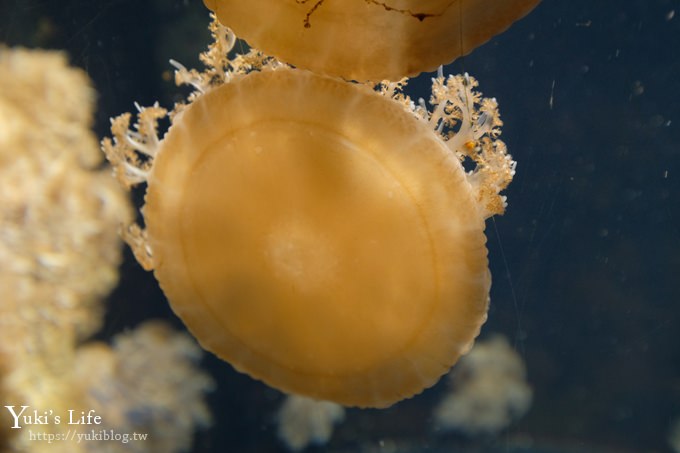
(131, 153)
(132, 150)
(471, 126)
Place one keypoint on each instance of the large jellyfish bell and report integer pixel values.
(320, 235)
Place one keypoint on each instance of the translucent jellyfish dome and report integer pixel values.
(369, 39)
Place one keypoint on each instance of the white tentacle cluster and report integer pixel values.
(470, 126)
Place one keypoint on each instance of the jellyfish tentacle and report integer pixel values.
(136, 237)
(220, 66)
(121, 153)
(132, 150)
(184, 76)
(131, 154)
(470, 126)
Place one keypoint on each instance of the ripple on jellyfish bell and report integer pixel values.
(319, 235)
(369, 39)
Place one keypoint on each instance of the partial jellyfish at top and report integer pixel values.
(369, 39)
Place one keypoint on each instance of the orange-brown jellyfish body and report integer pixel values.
(369, 39)
(325, 238)
(304, 243)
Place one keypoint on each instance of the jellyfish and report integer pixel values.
(369, 39)
(319, 235)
